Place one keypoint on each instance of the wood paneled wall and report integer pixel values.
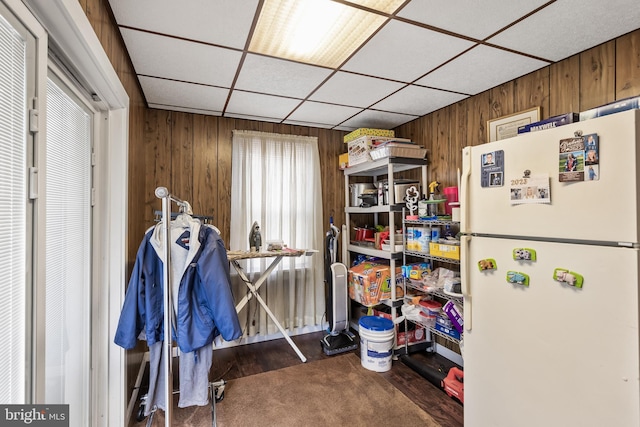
(603, 74)
(191, 155)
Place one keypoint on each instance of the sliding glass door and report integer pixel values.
(16, 87)
(68, 250)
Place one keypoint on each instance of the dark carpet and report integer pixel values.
(331, 392)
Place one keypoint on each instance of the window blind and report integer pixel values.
(13, 149)
(68, 251)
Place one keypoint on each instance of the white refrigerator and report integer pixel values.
(540, 351)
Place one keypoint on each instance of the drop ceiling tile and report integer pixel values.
(345, 128)
(171, 58)
(418, 100)
(354, 89)
(480, 69)
(567, 27)
(404, 52)
(254, 118)
(378, 120)
(254, 104)
(180, 94)
(476, 19)
(222, 22)
(185, 110)
(323, 113)
(308, 124)
(274, 76)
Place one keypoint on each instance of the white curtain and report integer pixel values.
(276, 182)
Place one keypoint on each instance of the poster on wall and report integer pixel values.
(492, 169)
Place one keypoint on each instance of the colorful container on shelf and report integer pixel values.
(451, 194)
(368, 132)
(429, 310)
(445, 251)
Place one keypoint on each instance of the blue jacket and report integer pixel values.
(205, 304)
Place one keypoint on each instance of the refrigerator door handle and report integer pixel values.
(464, 277)
(464, 190)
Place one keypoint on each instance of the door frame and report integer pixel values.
(67, 25)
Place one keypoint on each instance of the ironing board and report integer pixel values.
(235, 256)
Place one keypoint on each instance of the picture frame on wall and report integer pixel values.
(507, 126)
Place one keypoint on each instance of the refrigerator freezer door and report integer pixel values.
(549, 354)
(602, 210)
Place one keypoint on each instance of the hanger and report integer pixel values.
(206, 219)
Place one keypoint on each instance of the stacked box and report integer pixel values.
(454, 313)
(444, 251)
(444, 325)
(368, 132)
(343, 161)
(359, 149)
(613, 107)
(369, 283)
(551, 122)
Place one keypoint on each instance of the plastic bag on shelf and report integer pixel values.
(437, 278)
(411, 312)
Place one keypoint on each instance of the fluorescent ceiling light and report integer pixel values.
(319, 32)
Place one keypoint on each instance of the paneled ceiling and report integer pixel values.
(193, 56)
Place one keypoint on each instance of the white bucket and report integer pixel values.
(376, 343)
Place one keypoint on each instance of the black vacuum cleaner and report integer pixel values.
(339, 339)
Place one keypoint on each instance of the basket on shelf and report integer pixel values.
(394, 149)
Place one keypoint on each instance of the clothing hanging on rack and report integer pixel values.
(203, 304)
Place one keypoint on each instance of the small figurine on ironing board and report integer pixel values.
(255, 239)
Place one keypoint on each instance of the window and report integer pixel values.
(276, 182)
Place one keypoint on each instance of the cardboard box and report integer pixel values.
(369, 283)
(415, 335)
(343, 161)
(447, 330)
(368, 132)
(613, 107)
(454, 313)
(444, 251)
(551, 122)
